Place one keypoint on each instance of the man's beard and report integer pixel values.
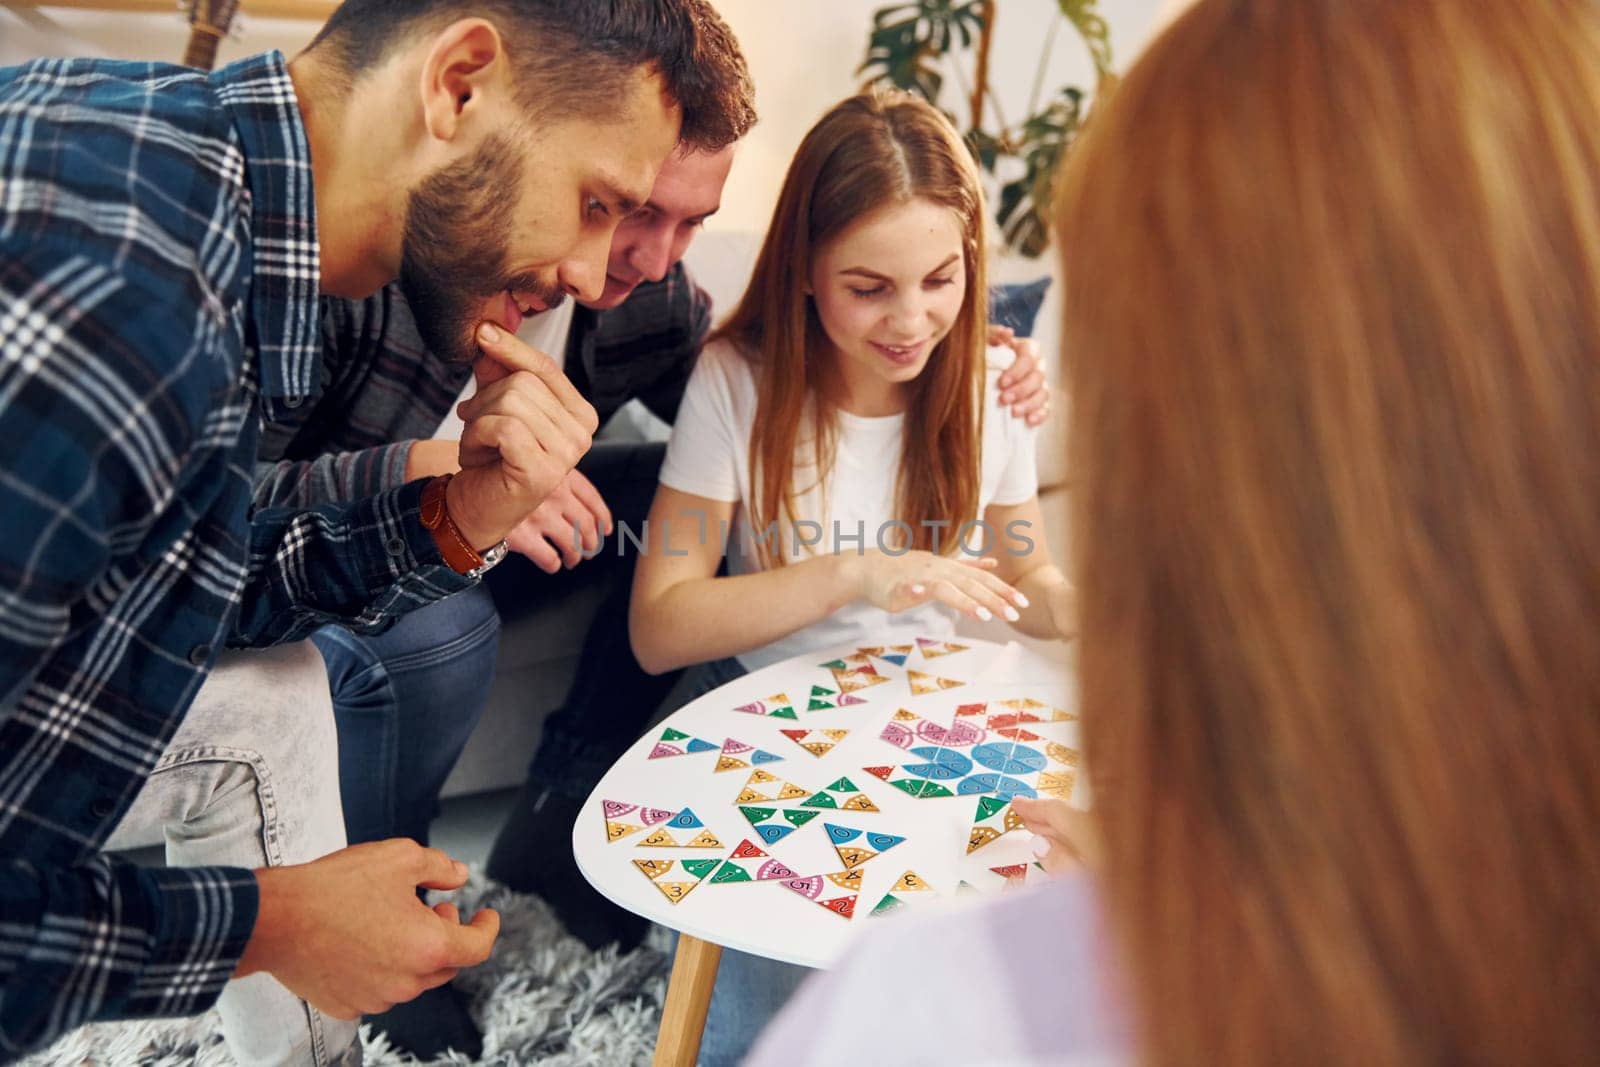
(455, 252)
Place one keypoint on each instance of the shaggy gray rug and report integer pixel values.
(542, 998)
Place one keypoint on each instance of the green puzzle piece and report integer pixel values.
(757, 815)
(921, 787)
(800, 818)
(835, 665)
(731, 872)
(888, 903)
(698, 868)
(989, 807)
(818, 800)
(843, 785)
(819, 705)
(819, 691)
(785, 712)
(669, 734)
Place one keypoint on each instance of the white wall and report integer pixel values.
(804, 57)
(27, 33)
(803, 53)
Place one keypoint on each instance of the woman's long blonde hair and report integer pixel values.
(871, 151)
(1332, 323)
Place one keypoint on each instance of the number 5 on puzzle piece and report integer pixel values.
(615, 812)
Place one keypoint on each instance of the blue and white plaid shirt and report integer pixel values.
(158, 303)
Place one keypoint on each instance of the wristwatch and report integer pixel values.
(458, 555)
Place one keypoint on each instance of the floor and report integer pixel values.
(466, 826)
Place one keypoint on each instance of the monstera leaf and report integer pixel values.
(908, 39)
(1024, 208)
(1092, 28)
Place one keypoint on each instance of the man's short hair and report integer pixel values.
(572, 57)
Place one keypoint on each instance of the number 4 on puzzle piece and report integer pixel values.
(675, 891)
(853, 855)
(992, 821)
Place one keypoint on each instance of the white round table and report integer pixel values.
(776, 814)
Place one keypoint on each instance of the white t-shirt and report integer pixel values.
(1026, 979)
(709, 456)
(546, 331)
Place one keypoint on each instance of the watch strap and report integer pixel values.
(458, 554)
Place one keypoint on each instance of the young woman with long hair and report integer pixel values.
(839, 426)
(844, 429)
(1333, 338)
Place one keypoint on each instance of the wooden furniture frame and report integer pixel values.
(312, 10)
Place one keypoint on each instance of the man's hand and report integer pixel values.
(548, 535)
(1023, 385)
(526, 428)
(348, 934)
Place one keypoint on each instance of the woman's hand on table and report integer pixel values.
(1066, 838)
(896, 583)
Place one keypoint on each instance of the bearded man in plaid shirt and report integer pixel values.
(164, 238)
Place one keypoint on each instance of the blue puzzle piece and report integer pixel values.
(773, 832)
(697, 745)
(764, 757)
(944, 757)
(936, 772)
(1008, 757)
(685, 820)
(977, 785)
(1007, 788)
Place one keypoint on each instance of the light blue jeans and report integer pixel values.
(251, 779)
(750, 990)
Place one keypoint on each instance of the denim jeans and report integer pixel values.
(251, 780)
(405, 702)
(750, 990)
(612, 698)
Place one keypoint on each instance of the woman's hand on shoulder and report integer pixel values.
(899, 582)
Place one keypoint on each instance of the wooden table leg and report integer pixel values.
(683, 1016)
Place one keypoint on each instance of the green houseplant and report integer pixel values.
(914, 44)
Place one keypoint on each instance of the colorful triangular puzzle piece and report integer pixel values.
(992, 820)
(817, 742)
(811, 889)
(667, 745)
(734, 756)
(923, 684)
(852, 855)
